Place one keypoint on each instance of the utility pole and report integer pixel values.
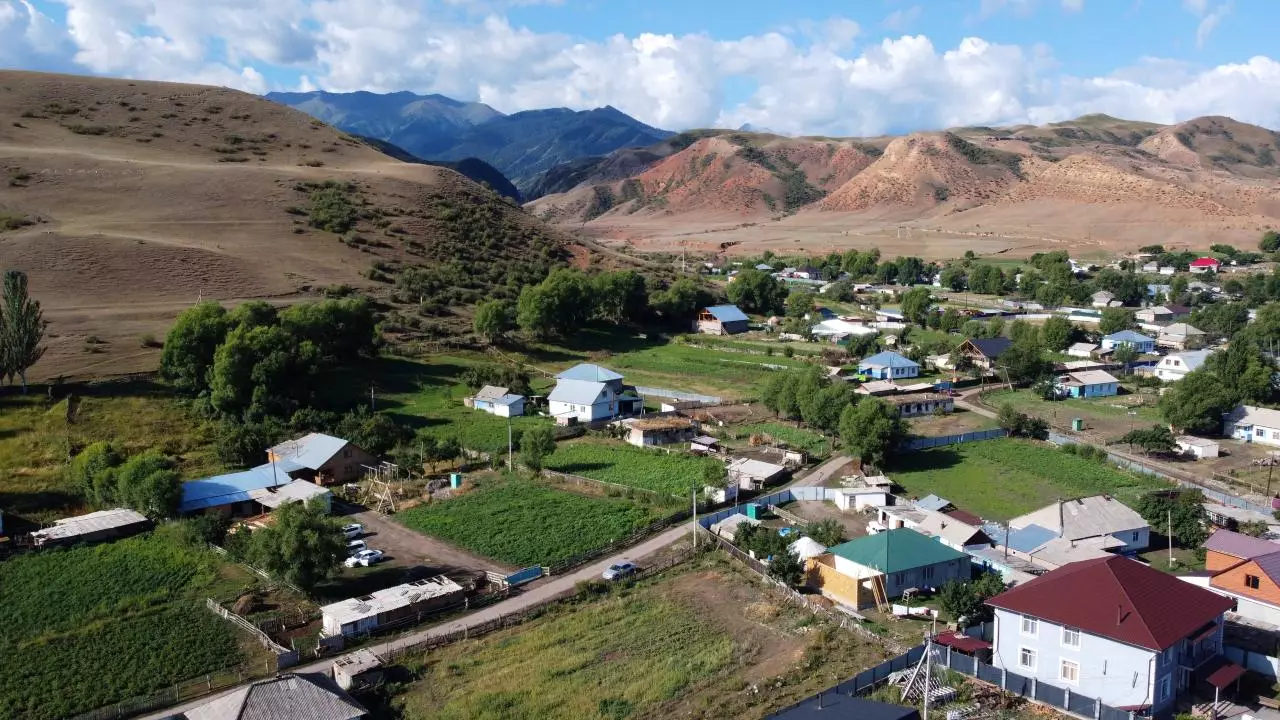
(509, 467)
(694, 493)
(928, 670)
(1170, 528)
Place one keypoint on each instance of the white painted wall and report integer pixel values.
(1142, 535)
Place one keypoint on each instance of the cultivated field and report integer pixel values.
(810, 441)
(1001, 479)
(702, 640)
(673, 473)
(521, 522)
(92, 626)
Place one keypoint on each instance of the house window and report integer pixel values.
(928, 573)
(1260, 432)
(1135, 536)
(1177, 363)
(1030, 626)
(1069, 672)
(1165, 689)
(1027, 658)
(1070, 637)
(1251, 581)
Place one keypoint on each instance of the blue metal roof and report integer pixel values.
(886, 359)
(311, 450)
(727, 313)
(576, 392)
(589, 372)
(508, 399)
(1028, 538)
(233, 487)
(1129, 336)
(932, 502)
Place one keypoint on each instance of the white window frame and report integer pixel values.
(1022, 651)
(1062, 675)
(1076, 631)
(1033, 622)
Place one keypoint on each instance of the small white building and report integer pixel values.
(1102, 299)
(1097, 516)
(1254, 424)
(751, 474)
(1180, 336)
(858, 499)
(589, 393)
(728, 527)
(1175, 366)
(498, 401)
(1082, 350)
(1197, 447)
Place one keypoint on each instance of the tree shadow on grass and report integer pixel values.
(940, 458)
(581, 467)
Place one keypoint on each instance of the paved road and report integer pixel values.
(556, 586)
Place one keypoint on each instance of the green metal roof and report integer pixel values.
(895, 551)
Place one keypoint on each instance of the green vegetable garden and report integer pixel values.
(520, 522)
(667, 473)
(91, 626)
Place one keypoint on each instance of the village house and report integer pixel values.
(497, 401)
(656, 431)
(889, 365)
(1253, 424)
(589, 393)
(1140, 343)
(1098, 516)
(749, 474)
(984, 351)
(1181, 336)
(1161, 314)
(1082, 350)
(1246, 569)
(1112, 629)
(322, 459)
(1204, 265)
(1175, 366)
(953, 533)
(860, 572)
(721, 320)
(290, 696)
(1104, 299)
(394, 605)
(251, 492)
(95, 527)
(918, 405)
(1087, 384)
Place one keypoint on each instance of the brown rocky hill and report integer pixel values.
(1097, 180)
(125, 202)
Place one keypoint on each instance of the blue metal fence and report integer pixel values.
(924, 443)
(777, 498)
(528, 574)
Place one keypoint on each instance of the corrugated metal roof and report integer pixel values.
(1026, 539)
(490, 393)
(392, 598)
(754, 468)
(1093, 377)
(589, 372)
(288, 697)
(895, 551)
(1120, 599)
(932, 502)
(93, 522)
(1128, 336)
(1240, 546)
(576, 392)
(310, 451)
(991, 347)
(1250, 415)
(234, 487)
(1084, 517)
(1192, 359)
(727, 313)
(886, 359)
(296, 491)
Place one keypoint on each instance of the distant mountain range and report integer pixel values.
(433, 127)
(474, 169)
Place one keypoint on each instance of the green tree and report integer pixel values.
(191, 344)
(620, 297)
(1270, 242)
(377, 433)
(1197, 402)
(1024, 362)
(822, 410)
(1057, 333)
(557, 306)
(786, 568)
(342, 330)
(1155, 439)
(93, 472)
(780, 395)
(871, 429)
(1114, 320)
(799, 303)
(1125, 353)
(1253, 528)
(953, 278)
(261, 372)
(493, 319)
(916, 304)
(149, 484)
(23, 328)
(1185, 509)
(303, 545)
(244, 444)
(755, 291)
(536, 444)
(828, 532)
(679, 301)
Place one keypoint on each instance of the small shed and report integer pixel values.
(1198, 447)
(358, 671)
(94, 527)
(1082, 350)
(390, 607)
(704, 444)
(671, 430)
(751, 474)
(861, 498)
(721, 320)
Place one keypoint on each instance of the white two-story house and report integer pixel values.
(1113, 629)
(589, 393)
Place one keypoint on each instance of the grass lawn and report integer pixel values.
(521, 522)
(812, 442)
(36, 441)
(1108, 415)
(613, 461)
(1002, 479)
(95, 625)
(687, 643)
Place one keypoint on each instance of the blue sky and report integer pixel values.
(822, 66)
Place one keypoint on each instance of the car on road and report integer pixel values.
(356, 546)
(352, 531)
(364, 558)
(619, 571)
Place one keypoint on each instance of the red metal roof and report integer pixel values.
(969, 518)
(1117, 598)
(1205, 262)
(963, 643)
(1224, 673)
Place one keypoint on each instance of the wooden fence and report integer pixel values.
(285, 657)
(580, 480)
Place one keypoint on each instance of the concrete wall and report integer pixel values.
(1132, 545)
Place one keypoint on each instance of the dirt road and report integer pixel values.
(409, 548)
(554, 588)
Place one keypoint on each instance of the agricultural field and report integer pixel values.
(810, 441)
(36, 439)
(673, 473)
(95, 625)
(1002, 479)
(522, 522)
(1108, 416)
(702, 640)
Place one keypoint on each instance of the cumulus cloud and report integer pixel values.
(812, 79)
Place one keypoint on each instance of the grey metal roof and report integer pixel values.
(310, 696)
(576, 392)
(1084, 517)
(91, 523)
(1191, 359)
(590, 372)
(932, 502)
(491, 393)
(311, 451)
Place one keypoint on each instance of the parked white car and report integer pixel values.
(352, 531)
(619, 571)
(356, 546)
(364, 558)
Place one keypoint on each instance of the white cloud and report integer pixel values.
(1073, 5)
(812, 80)
(900, 20)
(1209, 22)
